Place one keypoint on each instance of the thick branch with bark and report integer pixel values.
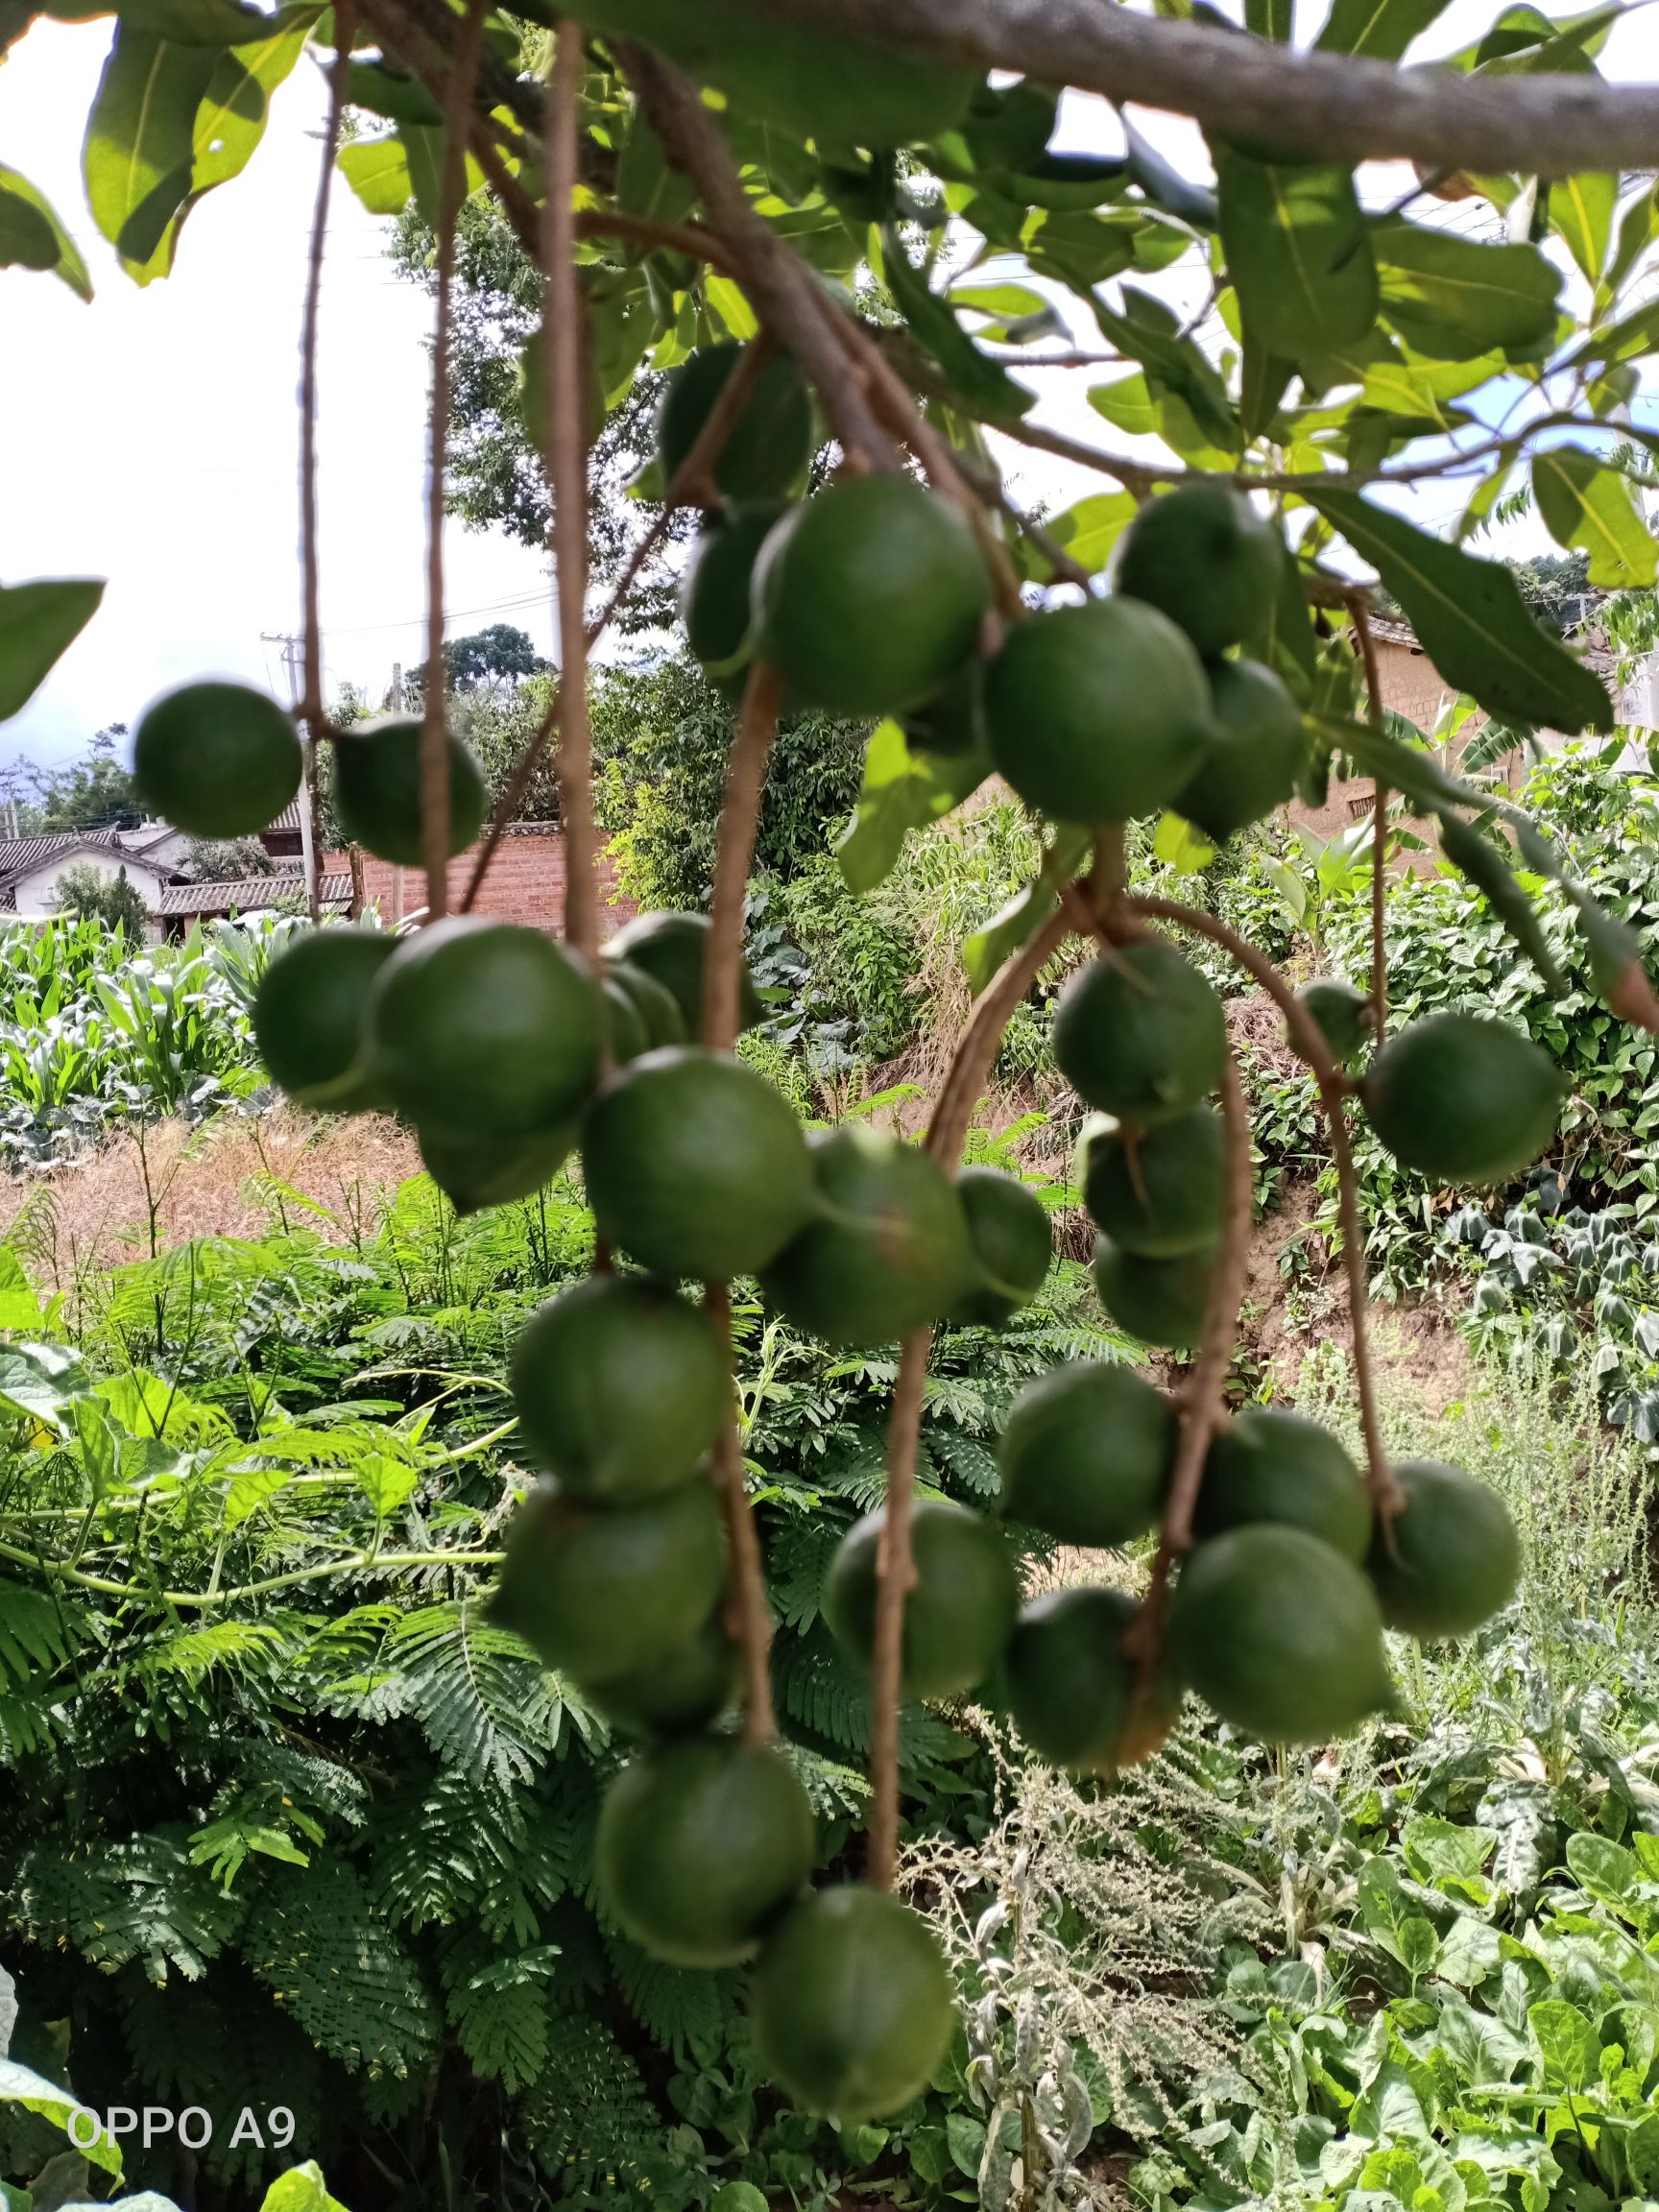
(1337, 106)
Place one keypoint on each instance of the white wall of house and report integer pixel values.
(161, 850)
(33, 894)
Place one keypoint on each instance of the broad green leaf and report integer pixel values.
(1149, 331)
(1471, 620)
(1164, 184)
(140, 149)
(983, 383)
(38, 623)
(1524, 41)
(1626, 340)
(35, 2094)
(378, 171)
(424, 152)
(1269, 19)
(1297, 252)
(32, 237)
(902, 791)
(1140, 410)
(382, 91)
(198, 22)
(1566, 2041)
(301, 2189)
(230, 121)
(985, 952)
(1181, 847)
(1287, 883)
(1384, 28)
(1089, 530)
(1590, 507)
(42, 1382)
(1605, 1869)
(1638, 227)
(1581, 215)
(1452, 297)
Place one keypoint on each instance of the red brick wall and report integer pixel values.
(525, 883)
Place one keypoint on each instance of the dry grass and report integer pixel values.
(146, 1189)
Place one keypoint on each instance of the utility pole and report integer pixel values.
(293, 660)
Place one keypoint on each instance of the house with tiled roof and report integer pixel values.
(155, 858)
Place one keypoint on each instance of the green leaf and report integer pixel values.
(1149, 331)
(35, 2094)
(378, 171)
(1581, 215)
(32, 237)
(382, 91)
(1165, 185)
(301, 2189)
(1471, 620)
(1585, 504)
(1297, 252)
(1571, 2049)
(1638, 227)
(38, 623)
(198, 22)
(1452, 297)
(902, 791)
(1269, 19)
(983, 383)
(1089, 530)
(140, 151)
(1181, 847)
(1488, 869)
(985, 952)
(1384, 28)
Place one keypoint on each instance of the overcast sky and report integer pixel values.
(151, 436)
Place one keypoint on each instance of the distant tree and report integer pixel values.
(81, 890)
(226, 860)
(500, 655)
(95, 793)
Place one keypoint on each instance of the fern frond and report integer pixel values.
(332, 1963)
(485, 1704)
(38, 1635)
(120, 1904)
(498, 2007)
(967, 1460)
(686, 2014)
(593, 2130)
(798, 1559)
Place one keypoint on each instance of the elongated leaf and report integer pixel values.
(231, 120)
(140, 148)
(1471, 620)
(1297, 252)
(38, 623)
(32, 237)
(35, 2094)
(983, 383)
(1452, 297)
(1269, 19)
(1581, 215)
(1638, 227)
(1590, 507)
(382, 91)
(198, 22)
(1089, 530)
(378, 171)
(1380, 28)
(1149, 331)
(985, 952)
(902, 791)
(1488, 870)
(1165, 185)
(301, 2189)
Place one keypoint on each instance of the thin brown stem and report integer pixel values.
(694, 471)
(435, 716)
(895, 1578)
(1309, 1039)
(781, 291)
(693, 239)
(563, 328)
(749, 1611)
(312, 711)
(1361, 617)
(976, 1048)
(740, 821)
